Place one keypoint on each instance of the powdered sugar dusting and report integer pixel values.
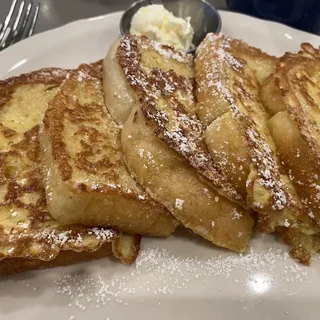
(48, 73)
(60, 238)
(101, 233)
(159, 272)
(214, 57)
(179, 204)
(181, 131)
(224, 55)
(169, 53)
(55, 237)
(81, 76)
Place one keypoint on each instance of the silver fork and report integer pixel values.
(19, 23)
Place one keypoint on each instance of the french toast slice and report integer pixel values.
(239, 139)
(85, 175)
(29, 237)
(235, 132)
(156, 72)
(294, 125)
(161, 84)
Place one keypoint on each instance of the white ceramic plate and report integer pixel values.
(182, 277)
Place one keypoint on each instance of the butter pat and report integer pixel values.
(157, 23)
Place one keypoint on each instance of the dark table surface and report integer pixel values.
(55, 13)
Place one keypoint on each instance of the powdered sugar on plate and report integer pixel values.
(160, 271)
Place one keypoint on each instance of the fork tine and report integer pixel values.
(19, 15)
(7, 20)
(23, 25)
(34, 21)
(13, 32)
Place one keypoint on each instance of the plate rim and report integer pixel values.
(275, 23)
(18, 47)
(30, 45)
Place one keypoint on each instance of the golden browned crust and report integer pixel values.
(81, 144)
(170, 180)
(25, 221)
(55, 128)
(260, 62)
(297, 78)
(163, 121)
(291, 97)
(308, 50)
(226, 74)
(93, 114)
(167, 100)
(11, 266)
(222, 77)
(175, 123)
(293, 75)
(28, 234)
(303, 245)
(47, 76)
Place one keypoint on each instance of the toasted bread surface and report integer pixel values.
(11, 266)
(169, 179)
(162, 83)
(29, 236)
(260, 62)
(124, 247)
(294, 124)
(85, 175)
(166, 98)
(227, 82)
(229, 105)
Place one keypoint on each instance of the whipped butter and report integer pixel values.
(157, 23)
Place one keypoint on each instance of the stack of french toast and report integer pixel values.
(150, 139)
